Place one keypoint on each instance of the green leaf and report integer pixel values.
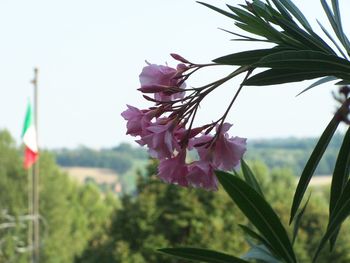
(343, 82)
(330, 17)
(254, 24)
(243, 37)
(246, 57)
(340, 212)
(298, 220)
(223, 12)
(331, 38)
(319, 82)
(258, 31)
(253, 234)
(257, 237)
(280, 76)
(283, 10)
(203, 255)
(293, 9)
(309, 41)
(305, 60)
(260, 253)
(337, 18)
(262, 10)
(340, 177)
(341, 171)
(260, 214)
(336, 10)
(335, 22)
(312, 163)
(250, 177)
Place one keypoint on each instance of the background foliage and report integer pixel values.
(82, 225)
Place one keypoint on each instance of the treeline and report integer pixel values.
(120, 159)
(289, 152)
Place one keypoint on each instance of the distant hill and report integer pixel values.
(90, 165)
(293, 153)
(125, 160)
(119, 159)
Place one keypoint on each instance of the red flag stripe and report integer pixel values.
(30, 157)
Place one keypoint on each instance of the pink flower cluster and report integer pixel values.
(166, 129)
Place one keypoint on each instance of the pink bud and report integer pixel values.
(152, 88)
(179, 58)
(157, 76)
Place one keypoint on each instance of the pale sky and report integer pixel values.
(91, 52)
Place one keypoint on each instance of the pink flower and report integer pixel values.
(138, 120)
(174, 170)
(228, 150)
(201, 144)
(161, 140)
(158, 77)
(225, 153)
(201, 174)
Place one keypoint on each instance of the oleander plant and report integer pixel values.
(168, 128)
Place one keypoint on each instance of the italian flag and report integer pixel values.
(29, 139)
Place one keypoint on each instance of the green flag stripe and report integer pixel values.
(28, 121)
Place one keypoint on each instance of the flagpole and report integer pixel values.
(30, 214)
(36, 213)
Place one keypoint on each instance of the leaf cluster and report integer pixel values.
(298, 52)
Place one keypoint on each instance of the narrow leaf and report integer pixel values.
(223, 12)
(259, 31)
(245, 57)
(330, 16)
(244, 38)
(343, 82)
(306, 39)
(283, 10)
(293, 9)
(336, 27)
(319, 82)
(336, 10)
(331, 38)
(312, 163)
(262, 10)
(255, 24)
(248, 231)
(260, 253)
(203, 255)
(298, 220)
(340, 177)
(341, 171)
(281, 76)
(340, 212)
(260, 214)
(250, 177)
(305, 59)
(337, 18)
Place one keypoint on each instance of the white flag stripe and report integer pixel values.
(29, 139)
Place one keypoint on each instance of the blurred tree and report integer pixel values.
(71, 214)
(162, 215)
(166, 215)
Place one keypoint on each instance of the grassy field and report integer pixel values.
(126, 182)
(80, 174)
(321, 180)
(108, 178)
(99, 176)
